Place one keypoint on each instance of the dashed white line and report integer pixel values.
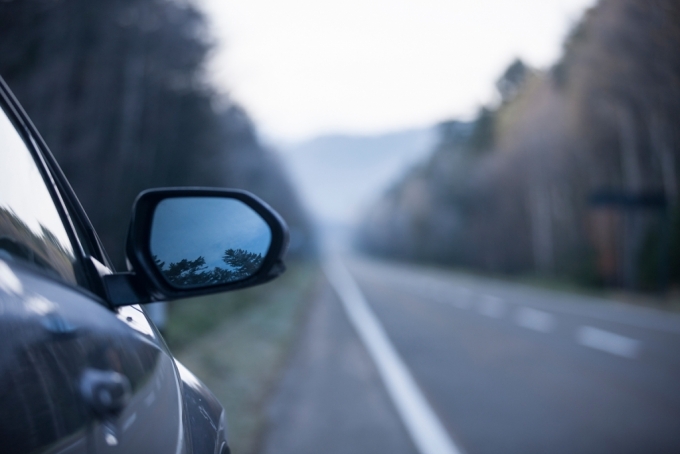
(537, 320)
(421, 422)
(491, 306)
(608, 342)
(530, 318)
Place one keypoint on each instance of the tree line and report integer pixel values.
(119, 92)
(241, 264)
(574, 172)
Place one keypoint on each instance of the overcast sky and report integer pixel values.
(308, 67)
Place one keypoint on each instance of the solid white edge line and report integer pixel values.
(422, 424)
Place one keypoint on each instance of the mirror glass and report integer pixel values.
(198, 241)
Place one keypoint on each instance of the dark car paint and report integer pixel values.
(204, 413)
(52, 332)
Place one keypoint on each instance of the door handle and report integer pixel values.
(105, 392)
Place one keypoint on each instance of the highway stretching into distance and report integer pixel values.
(487, 366)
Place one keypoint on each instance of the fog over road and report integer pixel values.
(505, 368)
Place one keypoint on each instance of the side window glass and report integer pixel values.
(31, 229)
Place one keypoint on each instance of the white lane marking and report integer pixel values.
(528, 317)
(598, 309)
(608, 342)
(422, 424)
(491, 306)
(459, 298)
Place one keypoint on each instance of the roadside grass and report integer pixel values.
(237, 343)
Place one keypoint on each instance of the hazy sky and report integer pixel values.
(307, 67)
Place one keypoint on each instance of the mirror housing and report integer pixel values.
(148, 282)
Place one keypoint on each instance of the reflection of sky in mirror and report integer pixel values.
(189, 227)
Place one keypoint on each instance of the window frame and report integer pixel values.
(73, 217)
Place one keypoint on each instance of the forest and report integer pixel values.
(573, 173)
(119, 91)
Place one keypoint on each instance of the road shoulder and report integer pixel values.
(330, 398)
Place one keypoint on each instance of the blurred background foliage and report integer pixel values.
(118, 90)
(513, 190)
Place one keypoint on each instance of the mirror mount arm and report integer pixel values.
(125, 289)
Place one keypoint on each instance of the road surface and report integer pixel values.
(505, 368)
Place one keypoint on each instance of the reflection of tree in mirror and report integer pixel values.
(190, 273)
(242, 262)
(187, 273)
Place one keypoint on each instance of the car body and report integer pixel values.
(82, 367)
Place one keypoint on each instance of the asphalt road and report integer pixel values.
(506, 369)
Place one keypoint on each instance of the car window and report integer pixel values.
(31, 228)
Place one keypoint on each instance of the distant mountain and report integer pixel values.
(338, 176)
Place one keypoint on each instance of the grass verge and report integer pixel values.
(237, 343)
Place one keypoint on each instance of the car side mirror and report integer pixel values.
(194, 241)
